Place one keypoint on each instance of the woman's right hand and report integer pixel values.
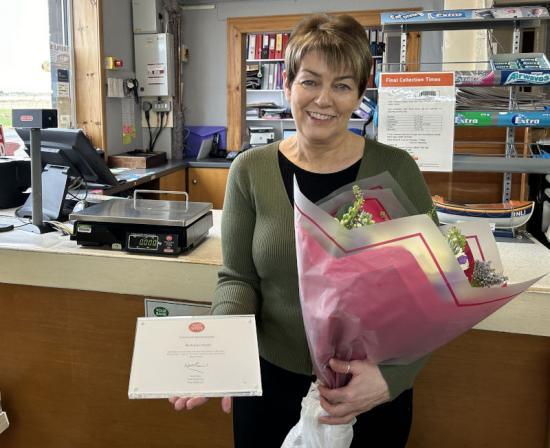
(189, 403)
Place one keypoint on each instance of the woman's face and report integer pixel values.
(321, 100)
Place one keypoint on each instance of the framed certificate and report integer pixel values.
(209, 356)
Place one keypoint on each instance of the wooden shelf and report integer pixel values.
(237, 30)
(269, 119)
(264, 90)
(264, 60)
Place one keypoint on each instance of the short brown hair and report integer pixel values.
(340, 40)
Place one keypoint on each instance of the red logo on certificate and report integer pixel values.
(196, 327)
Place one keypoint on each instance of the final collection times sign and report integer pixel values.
(416, 113)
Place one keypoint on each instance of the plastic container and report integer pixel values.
(197, 134)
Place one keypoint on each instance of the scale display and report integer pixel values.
(138, 241)
(162, 243)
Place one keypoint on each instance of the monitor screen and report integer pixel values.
(71, 147)
(288, 133)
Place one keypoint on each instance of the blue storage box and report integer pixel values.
(197, 134)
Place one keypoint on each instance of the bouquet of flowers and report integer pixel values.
(385, 284)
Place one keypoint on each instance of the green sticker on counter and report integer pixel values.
(160, 311)
(171, 308)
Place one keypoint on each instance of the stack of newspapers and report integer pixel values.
(497, 98)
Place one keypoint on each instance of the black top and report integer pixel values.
(315, 186)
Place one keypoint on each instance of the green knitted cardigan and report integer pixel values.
(259, 274)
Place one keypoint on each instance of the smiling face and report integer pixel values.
(322, 100)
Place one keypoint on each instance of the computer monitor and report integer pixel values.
(288, 133)
(71, 148)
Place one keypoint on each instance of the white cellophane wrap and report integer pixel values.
(309, 433)
(391, 292)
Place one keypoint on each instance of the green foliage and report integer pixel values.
(432, 213)
(351, 216)
(5, 118)
(457, 241)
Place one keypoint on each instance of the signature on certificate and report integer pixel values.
(195, 366)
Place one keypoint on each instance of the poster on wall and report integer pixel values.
(156, 73)
(60, 64)
(416, 113)
(128, 120)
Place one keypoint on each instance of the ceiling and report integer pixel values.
(496, 2)
(212, 2)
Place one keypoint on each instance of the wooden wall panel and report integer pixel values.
(89, 73)
(65, 364)
(485, 389)
(470, 187)
(464, 187)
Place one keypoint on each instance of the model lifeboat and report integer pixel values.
(504, 215)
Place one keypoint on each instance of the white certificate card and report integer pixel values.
(209, 356)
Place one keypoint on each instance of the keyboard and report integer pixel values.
(126, 176)
(94, 197)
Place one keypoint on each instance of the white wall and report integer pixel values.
(473, 43)
(205, 36)
(118, 41)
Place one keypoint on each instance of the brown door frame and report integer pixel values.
(239, 27)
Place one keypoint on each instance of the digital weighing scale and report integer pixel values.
(143, 225)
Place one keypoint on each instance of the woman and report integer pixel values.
(327, 65)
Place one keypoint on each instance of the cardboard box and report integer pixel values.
(137, 160)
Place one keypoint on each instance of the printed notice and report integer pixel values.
(211, 356)
(156, 74)
(416, 113)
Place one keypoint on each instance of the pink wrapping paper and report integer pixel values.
(391, 292)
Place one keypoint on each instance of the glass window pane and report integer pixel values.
(34, 40)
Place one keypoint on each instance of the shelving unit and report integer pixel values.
(469, 20)
(271, 94)
(239, 28)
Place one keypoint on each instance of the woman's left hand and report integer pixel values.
(366, 389)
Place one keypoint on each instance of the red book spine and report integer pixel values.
(271, 46)
(258, 49)
(285, 43)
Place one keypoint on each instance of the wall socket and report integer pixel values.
(154, 120)
(162, 106)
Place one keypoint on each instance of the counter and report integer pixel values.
(67, 325)
(67, 322)
(57, 262)
(89, 269)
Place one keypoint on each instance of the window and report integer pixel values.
(36, 41)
